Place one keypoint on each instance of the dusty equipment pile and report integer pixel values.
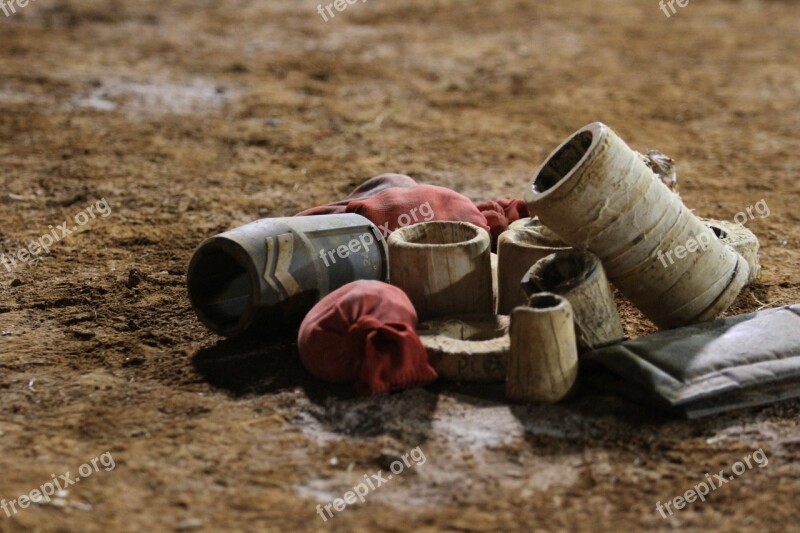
(398, 285)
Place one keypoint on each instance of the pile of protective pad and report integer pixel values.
(401, 283)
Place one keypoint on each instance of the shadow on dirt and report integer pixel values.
(250, 365)
(253, 366)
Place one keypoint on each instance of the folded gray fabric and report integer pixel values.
(706, 368)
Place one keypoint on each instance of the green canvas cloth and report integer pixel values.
(706, 368)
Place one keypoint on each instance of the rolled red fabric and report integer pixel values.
(396, 200)
(369, 188)
(364, 334)
(499, 214)
(514, 208)
(398, 207)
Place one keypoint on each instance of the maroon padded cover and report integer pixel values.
(369, 188)
(500, 213)
(397, 207)
(395, 200)
(364, 333)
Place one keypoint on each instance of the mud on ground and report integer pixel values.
(190, 118)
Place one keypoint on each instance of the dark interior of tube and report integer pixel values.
(564, 271)
(563, 161)
(220, 288)
(544, 301)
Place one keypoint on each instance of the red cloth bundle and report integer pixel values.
(398, 207)
(500, 213)
(391, 201)
(365, 334)
(369, 188)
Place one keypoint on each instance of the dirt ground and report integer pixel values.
(191, 117)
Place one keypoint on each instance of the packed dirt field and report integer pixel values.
(189, 118)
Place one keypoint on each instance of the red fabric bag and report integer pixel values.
(391, 201)
(364, 333)
(369, 188)
(398, 207)
(500, 213)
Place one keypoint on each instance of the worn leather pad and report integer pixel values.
(707, 368)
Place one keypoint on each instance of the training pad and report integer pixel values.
(393, 200)
(364, 334)
(706, 368)
(398, 207)
(500, 214)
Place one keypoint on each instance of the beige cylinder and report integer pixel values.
(543, 362)
(598, 194)
(443, 267)
(579, 277)
(525, 242)
(472, 348)
(741, 240)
